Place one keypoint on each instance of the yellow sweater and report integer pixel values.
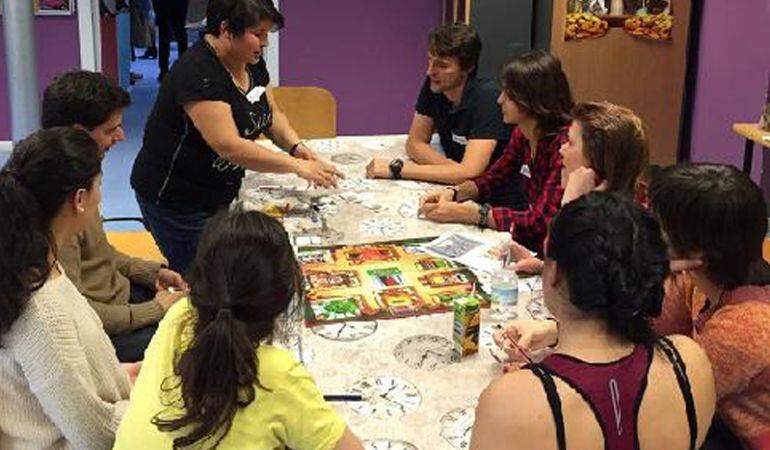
(292, 413)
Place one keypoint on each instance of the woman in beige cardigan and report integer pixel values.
(61, 385)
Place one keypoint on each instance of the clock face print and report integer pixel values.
(487, 341)
(388, 444)
(346, 331)
(537, 309)
(425, 351)
(457, 426)
(385, 397)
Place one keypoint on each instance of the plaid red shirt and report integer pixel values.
(542, 187)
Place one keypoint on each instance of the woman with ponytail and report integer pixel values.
(211, 378)
(61, 385)
(611, 383)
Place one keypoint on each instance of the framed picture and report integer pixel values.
(54, 7)
(51, 7)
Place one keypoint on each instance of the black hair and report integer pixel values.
(614, 259)
(714, 209)
(241, 14)
(244, 275)
(43, 171)
(456, 40)
(81, 97)
(538, 85)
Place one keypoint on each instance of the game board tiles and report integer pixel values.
(381, 281)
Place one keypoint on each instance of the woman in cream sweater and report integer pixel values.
(61, 385)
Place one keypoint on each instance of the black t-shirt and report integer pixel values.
(175, 166)
(476, 117)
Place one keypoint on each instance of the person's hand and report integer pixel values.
(167, 299)
(378, 168)
(436, 196)
(529, 335)
(581, 181)
(304, 152)
(529, 266)
(132, 370)
(167, 278)
(319, 172)
(449, 211)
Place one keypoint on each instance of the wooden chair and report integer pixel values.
(312, 111)
(139, 244)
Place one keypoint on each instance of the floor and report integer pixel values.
(118, 197)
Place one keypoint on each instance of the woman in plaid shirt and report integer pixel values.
(536, 97)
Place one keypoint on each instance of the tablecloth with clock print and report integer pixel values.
(416, 395)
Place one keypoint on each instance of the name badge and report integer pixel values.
(462, 140)
(254, 95)
(525, 171)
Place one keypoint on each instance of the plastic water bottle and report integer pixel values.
(505, 293)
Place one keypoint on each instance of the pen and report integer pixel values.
(343, 397)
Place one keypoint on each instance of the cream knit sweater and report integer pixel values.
(61, 386)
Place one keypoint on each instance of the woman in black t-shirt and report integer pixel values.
(199, 138)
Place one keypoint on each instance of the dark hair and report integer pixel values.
(717, 210)
(244, 276)
(241, 14)
(614, 143)
(81, 97)
(44, 170)
(614, 260)
(456, 40)
(536, 82)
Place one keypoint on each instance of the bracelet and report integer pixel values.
(294, 147)
(483, 214)
(454, 193)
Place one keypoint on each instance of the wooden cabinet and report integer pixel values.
(645, 75)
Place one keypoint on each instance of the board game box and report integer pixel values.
(381, 281)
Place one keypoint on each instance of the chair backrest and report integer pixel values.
(312, 111)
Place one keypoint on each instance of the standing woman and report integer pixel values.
(199, 138)
(61, 385)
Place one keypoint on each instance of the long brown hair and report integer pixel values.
(537, 84)
(243, 277)
(614, 143)
(43, 172)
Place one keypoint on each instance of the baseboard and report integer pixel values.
(6, 146)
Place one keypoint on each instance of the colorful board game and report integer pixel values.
(381, 281)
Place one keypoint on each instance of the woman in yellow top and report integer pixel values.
(210, 378)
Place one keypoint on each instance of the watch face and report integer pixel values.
(385, 397)
(346, 331)
(388, 444)
(425, 351)
(457, 426)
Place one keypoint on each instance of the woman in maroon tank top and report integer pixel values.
(611, 383)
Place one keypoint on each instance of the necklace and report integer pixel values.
(250, 81)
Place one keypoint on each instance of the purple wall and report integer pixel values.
(733, 70)
(371, 54)
(57, 51)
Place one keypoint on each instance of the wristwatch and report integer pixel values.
(395, 168)
(483, 214)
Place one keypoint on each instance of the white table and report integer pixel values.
(443, 416)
